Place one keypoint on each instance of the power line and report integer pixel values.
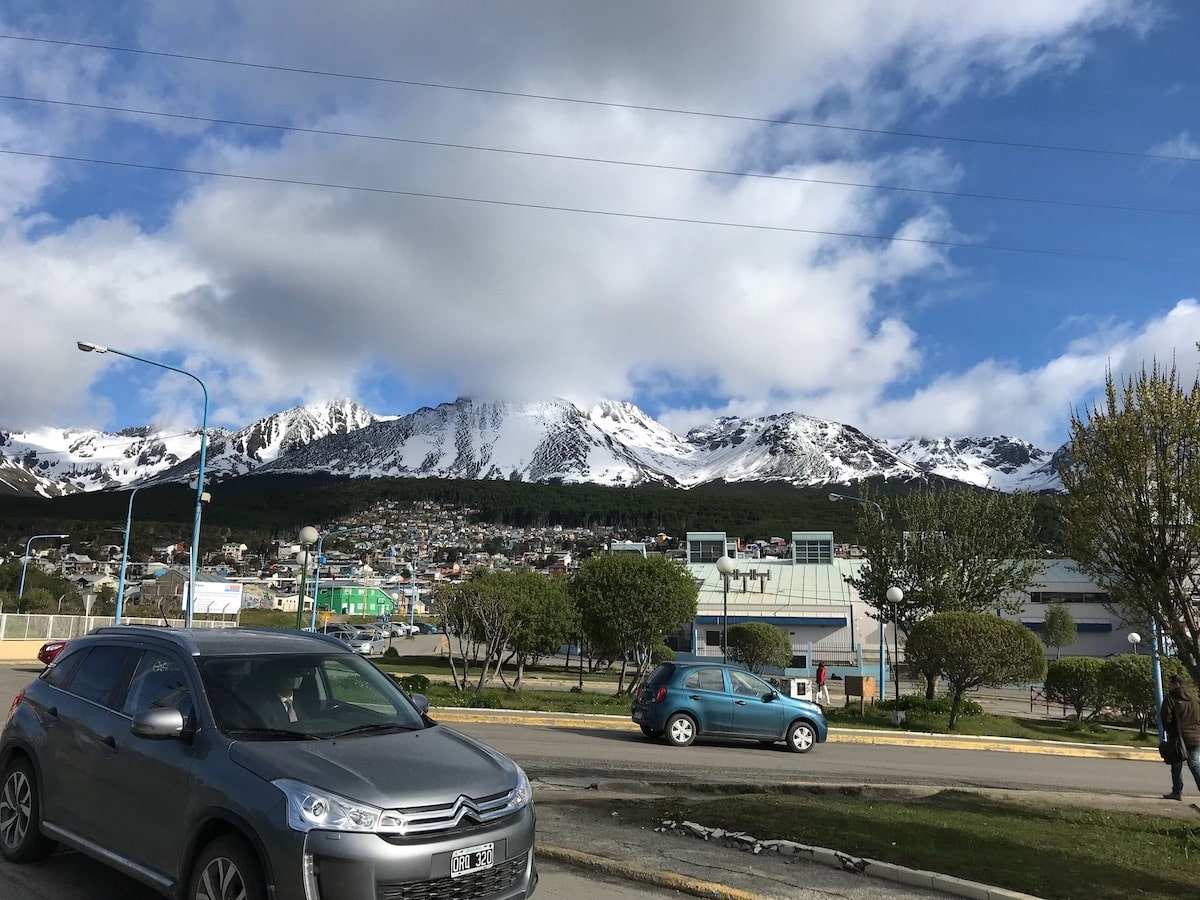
(379, 79)
(1077, 204)
(1075, 254)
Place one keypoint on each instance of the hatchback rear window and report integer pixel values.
(661, 675)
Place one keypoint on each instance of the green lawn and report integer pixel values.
(1054, 852)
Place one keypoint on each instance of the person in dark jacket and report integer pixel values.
(1181, 716)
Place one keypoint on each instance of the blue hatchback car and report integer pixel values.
(686, 700)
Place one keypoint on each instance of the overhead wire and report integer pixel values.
(380, 79)
(733, 173)
(648, 217)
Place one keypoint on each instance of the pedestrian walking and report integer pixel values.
(823, 688)
(1180, 717)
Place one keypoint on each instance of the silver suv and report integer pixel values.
(242, 763)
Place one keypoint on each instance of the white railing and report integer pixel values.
(36, 627)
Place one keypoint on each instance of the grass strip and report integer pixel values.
(1057, 852)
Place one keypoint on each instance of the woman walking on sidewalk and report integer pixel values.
(822, 687)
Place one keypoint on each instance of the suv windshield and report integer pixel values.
(299, 696)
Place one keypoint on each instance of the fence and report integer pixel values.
(31, 627)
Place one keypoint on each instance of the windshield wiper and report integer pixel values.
(273, 734)
(372, 728)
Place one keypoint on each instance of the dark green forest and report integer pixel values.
(256, 509)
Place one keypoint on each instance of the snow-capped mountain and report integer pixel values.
(554, 441)
(51, 462)
(1001, 463)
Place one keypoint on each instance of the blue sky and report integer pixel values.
(637, 207)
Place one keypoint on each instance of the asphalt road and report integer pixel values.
(559, 758)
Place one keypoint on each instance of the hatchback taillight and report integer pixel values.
(660, 695)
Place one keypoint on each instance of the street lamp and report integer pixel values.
(125, 548)
(834, 498)
(317, 576)
(25, 564)
(894, 596)
(88, 347)
(1134, 638)
(726, 567)
(308, 537)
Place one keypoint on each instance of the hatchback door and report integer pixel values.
(706, 694)
(754, 715)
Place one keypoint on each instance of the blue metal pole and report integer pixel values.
(1156, 674)
(25, 564)
(191, 599)
(312, 625)
(125, 555)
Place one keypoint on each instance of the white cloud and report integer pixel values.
(277, 292)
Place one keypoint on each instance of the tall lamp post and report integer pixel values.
(726, 567)
(834, 498)
(317, 575)
(88, 347)
(894, 596)
(308, 537)
(412, 604)
(125, 548)
(25, 564)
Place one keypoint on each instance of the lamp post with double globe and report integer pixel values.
(308, 537)
(317, 574)
(88, 347)
(726, 567)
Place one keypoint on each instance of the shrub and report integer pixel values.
(391, 653)
(415, 684)
(1075, 682)
(938, 706)
(661, 653)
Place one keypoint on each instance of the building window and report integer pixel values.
(681, 640)
(712, 638)
(810, 552)
(1068, 597)
(705, 551)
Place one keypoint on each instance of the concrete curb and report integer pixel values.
(871, 868)
(840, 735)
(631, 872)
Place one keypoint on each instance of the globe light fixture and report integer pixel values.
(726, 567)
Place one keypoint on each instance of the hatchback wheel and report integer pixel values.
(21, 838)
(801, 737)
(227, 870)
(681, 730)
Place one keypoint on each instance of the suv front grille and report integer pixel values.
(469, 887)
(464, 812)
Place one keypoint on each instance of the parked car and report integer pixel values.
(361, 641)
(426, 628)
(204, 787)
(49, 651)
(683, 701)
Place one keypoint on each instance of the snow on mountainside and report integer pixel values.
(793, 448)
(1001, 463)
(554, 441)
(83, 460)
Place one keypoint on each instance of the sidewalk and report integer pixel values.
(836, 735)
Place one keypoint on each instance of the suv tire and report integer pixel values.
(21, 838)
(227, 869)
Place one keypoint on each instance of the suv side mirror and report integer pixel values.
(158, 723)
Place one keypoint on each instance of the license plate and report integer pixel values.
(637, 716)
(472, 859)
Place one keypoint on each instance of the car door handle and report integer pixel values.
(694, 697)
(740, 702)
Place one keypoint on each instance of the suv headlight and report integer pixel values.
(310, 808)
(522, 794)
